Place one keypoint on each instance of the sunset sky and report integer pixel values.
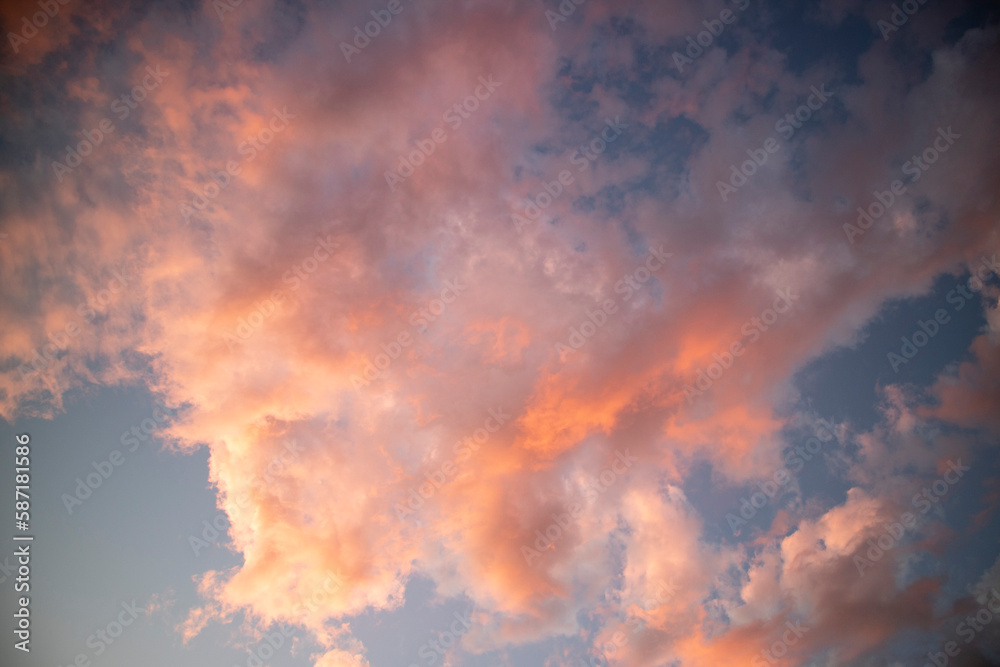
(502, 333)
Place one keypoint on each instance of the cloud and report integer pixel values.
(332, 510)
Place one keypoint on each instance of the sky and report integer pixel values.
(500, 334)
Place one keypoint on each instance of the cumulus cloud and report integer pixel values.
(258, 294)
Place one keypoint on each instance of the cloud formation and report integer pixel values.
(233, 244)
